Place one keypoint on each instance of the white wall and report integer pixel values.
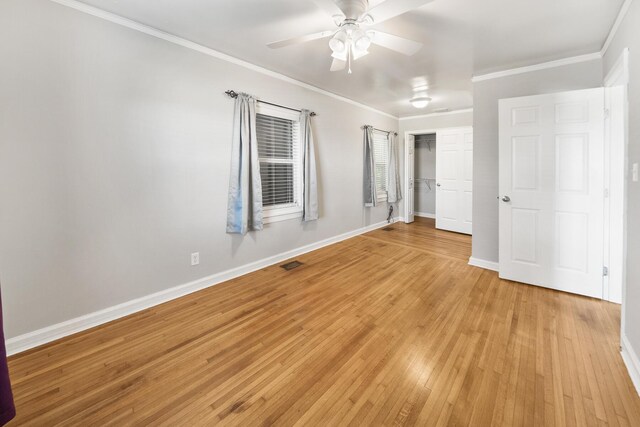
(485, 138)
(437, 121)
(429, 122)
(114, 163)
(628, 35)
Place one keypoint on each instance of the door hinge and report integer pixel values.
(607, 113)
(605, 271)
(606, 193)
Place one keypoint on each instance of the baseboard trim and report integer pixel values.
(631, 361)
(487, 265)
(425, 215)
(51, 333)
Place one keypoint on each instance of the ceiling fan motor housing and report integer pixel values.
(353, 9)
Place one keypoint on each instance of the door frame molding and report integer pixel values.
(406, 177)
(618, 77)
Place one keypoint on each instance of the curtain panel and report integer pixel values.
(244, 207)
(310, 184)
(394, 191)
(369, 184)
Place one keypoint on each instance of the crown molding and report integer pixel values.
(125, 22)
(566, 61)
(614, 29)
(445, 113)
(537, 67)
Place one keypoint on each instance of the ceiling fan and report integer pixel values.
(351, 40)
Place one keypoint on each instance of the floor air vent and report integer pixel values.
(291, 265)
(387, 229)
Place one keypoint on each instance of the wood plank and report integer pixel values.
(388, 328)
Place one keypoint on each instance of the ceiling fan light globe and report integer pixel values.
(338, 42)
(337, 46)
(357, 33)
(362, 43)
(420, 102)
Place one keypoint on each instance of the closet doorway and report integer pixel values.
(439, 177)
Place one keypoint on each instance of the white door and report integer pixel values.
(454, 179)
(551, 190)
(409, 208)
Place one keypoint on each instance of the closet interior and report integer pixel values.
(425, 175)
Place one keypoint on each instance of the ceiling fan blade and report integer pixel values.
(391, 8)
(399, 44)
(329, 6)
(338, 64)
(300, 39)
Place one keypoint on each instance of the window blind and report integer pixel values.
(381, 157)
(279, 154)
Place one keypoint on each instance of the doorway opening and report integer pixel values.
(563, 166)
(424, 189)
(439, 177)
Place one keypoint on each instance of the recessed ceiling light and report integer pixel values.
(420, 101)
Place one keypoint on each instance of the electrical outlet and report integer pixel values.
(634, 172)
(195, 258)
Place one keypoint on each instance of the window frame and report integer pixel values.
(285, 211)
(382, 193)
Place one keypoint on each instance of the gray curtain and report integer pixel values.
(310, 184)
(394, 192)
(369, 184)
(244, 207)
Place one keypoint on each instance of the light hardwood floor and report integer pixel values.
(392, 327)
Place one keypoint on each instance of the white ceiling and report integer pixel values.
(461, 38)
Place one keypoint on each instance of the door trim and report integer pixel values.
(618, 76)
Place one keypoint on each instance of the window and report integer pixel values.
(381, 157)
(279, 152)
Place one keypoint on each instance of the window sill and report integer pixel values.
(282, 217)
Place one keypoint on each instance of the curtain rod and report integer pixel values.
(234, 94)
(380, 130)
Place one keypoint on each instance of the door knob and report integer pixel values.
(506, 199)
(438, 184)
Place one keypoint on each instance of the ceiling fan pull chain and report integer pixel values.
(349, 58)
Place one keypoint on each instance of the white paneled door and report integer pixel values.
(552, 190)
(454, 179)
